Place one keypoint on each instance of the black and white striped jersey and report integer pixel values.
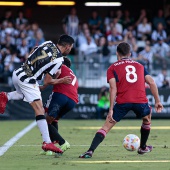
(46, 58)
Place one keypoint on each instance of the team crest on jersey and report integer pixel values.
(27, 70)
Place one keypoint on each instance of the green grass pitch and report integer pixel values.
(110, 155)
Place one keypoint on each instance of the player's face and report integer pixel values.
(67, 49)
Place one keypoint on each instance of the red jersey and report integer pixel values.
(130, 81)
(70, 90)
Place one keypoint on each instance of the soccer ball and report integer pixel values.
(131, 142)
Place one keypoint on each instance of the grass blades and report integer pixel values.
(24, 154)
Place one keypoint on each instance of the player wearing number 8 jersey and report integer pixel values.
(127, 92)
(130, 82)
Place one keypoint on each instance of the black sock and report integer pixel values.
(96, 141)
(55, 124)
(54, 135)
(144, 137)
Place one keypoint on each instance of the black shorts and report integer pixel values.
(59, 105)
(140, 109)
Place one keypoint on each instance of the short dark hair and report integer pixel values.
(123, 49)
(67, 62)
(65, 40)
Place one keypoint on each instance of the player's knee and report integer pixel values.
(39, 111)
(49, 119)
(147, 119)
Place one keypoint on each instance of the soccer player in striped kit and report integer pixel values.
(47, 58)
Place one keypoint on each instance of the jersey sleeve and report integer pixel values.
(54, 70)
(110, 74)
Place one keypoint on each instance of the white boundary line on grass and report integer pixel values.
(14, 139)
(123, 127)
(128, 161)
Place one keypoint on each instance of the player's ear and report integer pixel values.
(129, 55)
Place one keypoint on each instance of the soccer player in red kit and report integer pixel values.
(127, 92)
(63, 99)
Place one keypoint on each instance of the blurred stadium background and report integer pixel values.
(146, 26)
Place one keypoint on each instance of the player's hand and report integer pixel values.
(67, 80)
(158, 107)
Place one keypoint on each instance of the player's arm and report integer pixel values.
(113, 93)
(50, 80)
(154, 90)
(42, 87)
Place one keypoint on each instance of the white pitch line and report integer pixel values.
(14, 139)
(127, 161)
(123, 127)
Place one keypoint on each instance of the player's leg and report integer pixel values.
(55, 124)
(43, 127)
(53, 107)
(15, 96)
(3, 102)
(54, 135)
(70, 104)
(144, 111)
(57, 138)
(7, 96)
(98, 138)
(145, 131)
(119, 112)
(64, 105)
(52, 130)
(32, 95)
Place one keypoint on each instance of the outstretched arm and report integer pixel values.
(154, 90)
(49, 80)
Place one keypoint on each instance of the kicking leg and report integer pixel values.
(15, 96)
(3, 102)
(7, 96)
(98, 138)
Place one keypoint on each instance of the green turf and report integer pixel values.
(110, 155)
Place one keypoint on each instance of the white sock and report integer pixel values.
(15, 96)
(43, 127)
